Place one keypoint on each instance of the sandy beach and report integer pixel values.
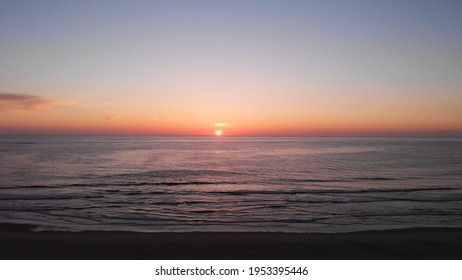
(19, 242)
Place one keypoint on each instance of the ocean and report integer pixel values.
(265, 184)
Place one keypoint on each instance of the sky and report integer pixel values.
(286, 67)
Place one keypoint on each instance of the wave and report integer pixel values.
(176, 182)
(126, 184)
(375, 179)
(295, 202)
(38, 197)
(101, 193)
(346, 180)
(175, 173)
(331, 191)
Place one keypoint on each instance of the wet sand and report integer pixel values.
(19, 242)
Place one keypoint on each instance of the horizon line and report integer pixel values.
(417, 135)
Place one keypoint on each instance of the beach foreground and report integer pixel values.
(19, 242)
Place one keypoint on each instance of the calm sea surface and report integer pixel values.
(229, 183)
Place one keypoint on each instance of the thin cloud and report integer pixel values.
(110, 117)
(221, 124)
(27, 102)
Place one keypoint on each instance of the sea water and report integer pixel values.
(162, 184)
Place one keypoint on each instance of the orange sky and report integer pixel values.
(315, 116)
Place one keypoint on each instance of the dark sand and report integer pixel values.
(18, 242)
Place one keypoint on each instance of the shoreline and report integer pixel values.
(19, 242)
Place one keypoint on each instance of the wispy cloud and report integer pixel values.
(110, 117)
(28, 102)
(221, 124)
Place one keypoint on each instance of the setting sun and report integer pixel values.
(218, 132)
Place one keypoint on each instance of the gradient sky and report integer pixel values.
(251, 67)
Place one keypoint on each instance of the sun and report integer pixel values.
(218, 132)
